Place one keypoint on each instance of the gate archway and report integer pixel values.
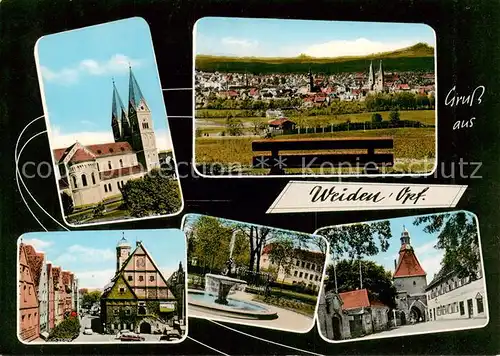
(145, 328)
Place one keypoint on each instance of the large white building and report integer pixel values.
(93, 173)
(450, 297)
(307, 267)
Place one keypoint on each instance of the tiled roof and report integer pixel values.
(99, 150)
(408, 265)
(279, 122)
(120, 172)
(355, 299)
(35, 263)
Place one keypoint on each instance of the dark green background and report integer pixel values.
(468, 56)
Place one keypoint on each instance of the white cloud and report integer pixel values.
(63, 140)
(117, 64)
(426, 248)
(432, 264)
(82, 254)
(38, 244)
(239, 42)
(94, 279)
(358, 47)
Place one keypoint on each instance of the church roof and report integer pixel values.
(355, 299)
(93, 151)
(408, 265)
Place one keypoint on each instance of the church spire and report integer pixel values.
(118, 114)
(135, 96)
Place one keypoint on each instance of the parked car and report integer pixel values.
(131, 337)
(121, 332)
(171, 335)
(88, 331)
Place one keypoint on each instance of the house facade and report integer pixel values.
(29, 323)
(91, 174)
(350, 314)
(138, 297)
(451, 297)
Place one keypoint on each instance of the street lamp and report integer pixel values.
(394, 314)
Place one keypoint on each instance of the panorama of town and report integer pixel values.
(235, 109)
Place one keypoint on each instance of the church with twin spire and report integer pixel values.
(90, 174)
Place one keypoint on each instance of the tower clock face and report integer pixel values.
(140, 262)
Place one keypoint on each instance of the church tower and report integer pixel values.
(143, 139)
(380, 78)
(122, 253)
(119, 120)
(410, 281)
(311, 81)
(371, 77)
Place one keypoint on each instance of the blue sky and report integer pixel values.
(77, 69)
(91, 255)
(423, 244)
(287, 38)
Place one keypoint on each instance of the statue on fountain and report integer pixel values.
(229, 267)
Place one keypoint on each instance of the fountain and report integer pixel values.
(215, 300)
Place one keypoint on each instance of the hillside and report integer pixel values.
(419, 57)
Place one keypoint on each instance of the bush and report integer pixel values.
(394, 116)
(376, 118)
(68, 329)
(98, 211)
(67, 203)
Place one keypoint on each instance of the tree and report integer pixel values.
(358, 240)
(234, 127)
(376, 280)
(394, 116)
(67, 203)
(281, 254)
(458, 237)
(376, 118)
(211, 242)
(154, 194)
(90, 298)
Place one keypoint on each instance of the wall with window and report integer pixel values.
(466, 300)
(411, 285)
(117, 161)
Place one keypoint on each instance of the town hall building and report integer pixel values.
(93, 173)
(139, 298)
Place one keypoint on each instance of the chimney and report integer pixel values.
(138, 243)
(395, 265)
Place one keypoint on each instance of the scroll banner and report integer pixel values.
(307, 196)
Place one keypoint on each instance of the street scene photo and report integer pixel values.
(403, 276)
(102, 287)
(275, 97)
(253, 275)
(112, 152)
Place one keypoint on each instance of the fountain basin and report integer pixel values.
(235, 308)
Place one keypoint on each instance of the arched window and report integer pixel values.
(105, 188)
(84, 180)
(74, 182)
(109, 165)
(121, 163)
(118, 185)
(109, 187)
(93, 178)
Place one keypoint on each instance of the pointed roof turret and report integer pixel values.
(408, 264)
(134, 91)
(123, 241)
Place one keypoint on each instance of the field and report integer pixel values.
(214, 126)
(412, 147)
